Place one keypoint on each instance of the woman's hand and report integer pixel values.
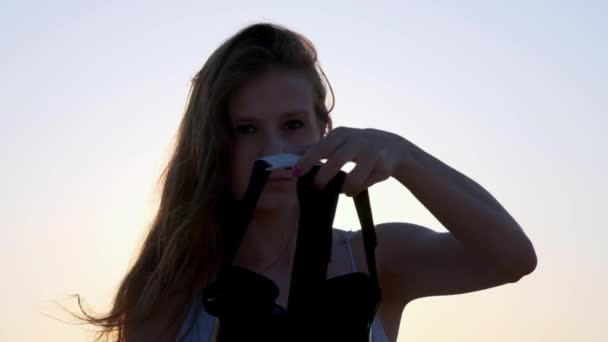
(377, 154)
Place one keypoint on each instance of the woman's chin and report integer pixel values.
(277, 200)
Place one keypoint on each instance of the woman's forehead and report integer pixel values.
(272, 95)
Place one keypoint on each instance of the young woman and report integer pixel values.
(263, 92)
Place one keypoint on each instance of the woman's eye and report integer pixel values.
(294, 124)
(250, 129)
(245, 129)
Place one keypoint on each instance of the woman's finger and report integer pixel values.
(335, 162)
(357, 179)
(321, 150)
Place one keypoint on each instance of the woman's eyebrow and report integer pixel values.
(284, 115)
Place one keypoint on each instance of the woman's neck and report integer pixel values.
(270, 239)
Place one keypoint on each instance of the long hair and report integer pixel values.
(181, 253)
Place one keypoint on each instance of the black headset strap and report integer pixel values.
(244, 211)
(314, 240)
(370, 243)
(314, 243)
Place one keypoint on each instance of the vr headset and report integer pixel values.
(319, 309)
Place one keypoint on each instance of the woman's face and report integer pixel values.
(271, 114)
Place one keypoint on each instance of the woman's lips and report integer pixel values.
(280, 180)
(281, 177)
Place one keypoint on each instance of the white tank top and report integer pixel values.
(204, 325)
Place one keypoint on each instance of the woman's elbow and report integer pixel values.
(525, 263)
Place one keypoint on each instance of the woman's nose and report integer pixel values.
(275, 144)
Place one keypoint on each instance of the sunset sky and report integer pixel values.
(513, 94)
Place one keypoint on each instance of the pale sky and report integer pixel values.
(511, 93)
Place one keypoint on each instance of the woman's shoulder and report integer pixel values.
(160, 325)
(340, 234)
